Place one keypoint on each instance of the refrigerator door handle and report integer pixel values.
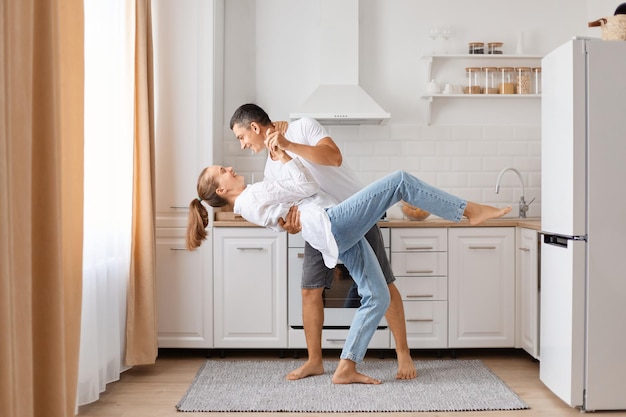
(559, 240)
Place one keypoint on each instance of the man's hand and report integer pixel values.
(292, 223)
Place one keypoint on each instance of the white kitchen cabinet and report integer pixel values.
(451, 69)
(184, 292)
(528, 291)
(419, 259)
(250, 288)
(188, 41)
(481, 287)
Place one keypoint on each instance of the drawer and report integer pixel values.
(426, 324)
(419, 263)
(296, 241)
(335, 339)
(423, 288)
(419, 240)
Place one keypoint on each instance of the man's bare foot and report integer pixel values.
(406, 367)
(478, 213)
(308, 369)
(346, 374)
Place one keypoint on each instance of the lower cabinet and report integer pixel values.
(481, 280)
(184, 291)
(528, 291)
(250, 291)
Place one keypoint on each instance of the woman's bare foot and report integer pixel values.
(478, 213)
(406, 367)
(308, 369)
(346, 374)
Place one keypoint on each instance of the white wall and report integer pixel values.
(272, 59)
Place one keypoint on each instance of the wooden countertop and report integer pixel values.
(530, 223)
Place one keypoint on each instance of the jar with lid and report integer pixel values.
(476, 48)
(507, 80)
(473, 85)
(494, 48)
(522, 80)
(492, 79)
(536, 80)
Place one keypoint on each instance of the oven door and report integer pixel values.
(340, 301)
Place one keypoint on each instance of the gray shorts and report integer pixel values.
(316, 275)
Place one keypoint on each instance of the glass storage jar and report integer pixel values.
(494, 48)
(473, 85)
(507, 80)
(536, 80)
(492, 79)
(522, 80)
(476, 48)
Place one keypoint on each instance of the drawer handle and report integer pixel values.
(420, 320)
(335, 340)
(179, 207)
(420, 296)
(247, 249)
(483, 247)
(300, 255)
(524, 249)
(178, 249)
(419, 248)
(420, 271)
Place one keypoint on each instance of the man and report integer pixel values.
(308, 141)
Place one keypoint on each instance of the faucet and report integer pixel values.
(523, 206)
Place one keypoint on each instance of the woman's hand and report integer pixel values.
(273, 139)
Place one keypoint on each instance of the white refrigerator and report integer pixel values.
(583, 222)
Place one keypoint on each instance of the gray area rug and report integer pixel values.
(441, 385)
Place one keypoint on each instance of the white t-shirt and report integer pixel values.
(262, 203)
(340, 182)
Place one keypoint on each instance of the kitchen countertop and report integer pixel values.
(530, 223)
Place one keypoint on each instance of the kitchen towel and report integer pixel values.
(260, 386)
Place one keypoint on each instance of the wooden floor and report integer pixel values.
(154, 390)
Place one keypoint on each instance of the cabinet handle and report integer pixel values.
(255, 249)
(419, 248)
(178, 249)
(420, 296)
(420, 320)
(300, 255)
(482, 247)
(420, 271)
(525, 249)
(335, 340)
(179, 207)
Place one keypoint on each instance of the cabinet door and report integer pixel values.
(481, 287)
(184, 289)
(250, 293)
(528, 291)
(188, 39)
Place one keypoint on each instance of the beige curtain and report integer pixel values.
(41, 194)
(141, 332)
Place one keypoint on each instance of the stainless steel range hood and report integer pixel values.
(339, 99)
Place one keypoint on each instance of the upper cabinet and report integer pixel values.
(188, 97)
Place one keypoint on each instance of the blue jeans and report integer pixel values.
(352, 218)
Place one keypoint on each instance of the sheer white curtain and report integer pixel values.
(109, 80)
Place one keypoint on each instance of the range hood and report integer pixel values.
(339, 99)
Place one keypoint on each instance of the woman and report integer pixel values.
(336, 230)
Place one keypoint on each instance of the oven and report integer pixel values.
(340, 302)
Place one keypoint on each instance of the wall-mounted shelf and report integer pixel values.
(485, 60)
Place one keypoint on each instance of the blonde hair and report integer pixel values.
(198, 219)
